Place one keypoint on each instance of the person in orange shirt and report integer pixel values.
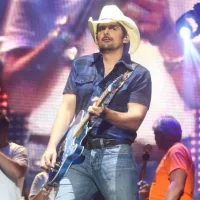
(174, 177)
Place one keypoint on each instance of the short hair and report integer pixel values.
(4, 121)
(169, 128)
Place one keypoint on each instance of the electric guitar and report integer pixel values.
(70, 148)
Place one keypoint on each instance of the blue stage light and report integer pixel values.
(188, 24)
(185, 33)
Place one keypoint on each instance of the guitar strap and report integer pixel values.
(98, 121)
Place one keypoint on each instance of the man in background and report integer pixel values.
(13, 164)
(174, 177)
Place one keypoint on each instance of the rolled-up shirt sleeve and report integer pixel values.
(70, 87)
(20, 155)
(141, 89)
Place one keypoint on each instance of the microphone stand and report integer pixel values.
(145, 157)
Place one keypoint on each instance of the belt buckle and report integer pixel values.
(101, 143)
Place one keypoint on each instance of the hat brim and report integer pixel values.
(127, 23)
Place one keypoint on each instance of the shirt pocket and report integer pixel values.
(84, 85)
(84, 79)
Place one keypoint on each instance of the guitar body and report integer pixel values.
(69, 149)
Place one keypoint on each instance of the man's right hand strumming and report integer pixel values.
(48, 159)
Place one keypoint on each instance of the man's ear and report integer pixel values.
(126, 39)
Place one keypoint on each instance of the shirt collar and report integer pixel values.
(125, 60)
(96, 57)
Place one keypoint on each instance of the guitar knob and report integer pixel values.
(58, 164)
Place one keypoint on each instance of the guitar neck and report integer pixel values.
(86, 118)
(99, 103)
(103, 97)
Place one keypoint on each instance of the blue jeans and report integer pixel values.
(111, 170)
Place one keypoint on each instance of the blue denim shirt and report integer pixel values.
(86, 80)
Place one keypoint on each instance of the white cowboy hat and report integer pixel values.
(112, 13)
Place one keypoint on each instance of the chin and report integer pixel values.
(105, 50)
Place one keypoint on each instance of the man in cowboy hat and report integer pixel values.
(108, 165)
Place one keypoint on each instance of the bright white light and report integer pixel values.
(185, 33)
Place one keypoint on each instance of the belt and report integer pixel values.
(98, 143)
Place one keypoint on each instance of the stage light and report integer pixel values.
(193, 135)
(193, 142)
(193, 150)
(188, 24)
(193, 158)
(185, 33)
